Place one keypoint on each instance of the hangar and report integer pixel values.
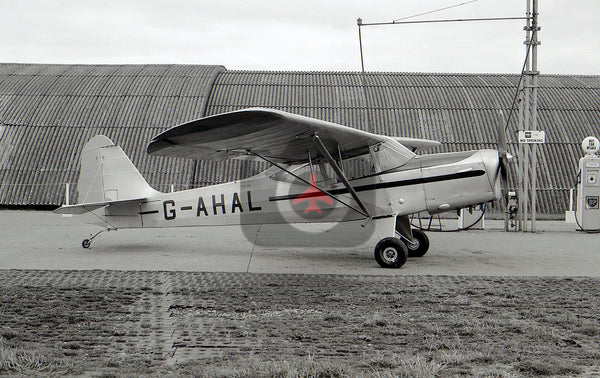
(48, 111)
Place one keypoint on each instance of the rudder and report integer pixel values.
(107, 174)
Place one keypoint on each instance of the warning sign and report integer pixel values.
(535, 137)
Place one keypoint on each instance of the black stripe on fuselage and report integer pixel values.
(391, 184)
(148, 212)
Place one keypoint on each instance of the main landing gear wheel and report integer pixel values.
(420, 244)
(391, 253)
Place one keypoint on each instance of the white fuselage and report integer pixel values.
(433, 183)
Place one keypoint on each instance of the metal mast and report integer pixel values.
(527, 164)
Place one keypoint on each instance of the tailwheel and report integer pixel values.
(420, 244)
(391, 253)
(87, 243)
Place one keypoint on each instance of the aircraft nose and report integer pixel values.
(491, 161)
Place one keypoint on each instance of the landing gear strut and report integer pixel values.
(416, 240)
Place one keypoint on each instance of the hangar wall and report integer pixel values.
(47, 112)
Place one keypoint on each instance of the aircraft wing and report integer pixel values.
(279, 136)
(87, 207)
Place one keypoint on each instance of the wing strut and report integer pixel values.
(363, 213)
(339, 173)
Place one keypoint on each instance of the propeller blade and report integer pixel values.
(502, 157)
(503, 167)
(501, 138)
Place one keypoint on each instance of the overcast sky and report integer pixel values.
(299, 35)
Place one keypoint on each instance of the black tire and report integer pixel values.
(86, 243)
(420, 245)
(391, 253)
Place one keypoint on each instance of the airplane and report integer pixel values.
(318, 172)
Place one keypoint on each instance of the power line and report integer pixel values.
(523, 69)
(436, 10)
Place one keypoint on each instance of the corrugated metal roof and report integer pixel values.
(47, 113)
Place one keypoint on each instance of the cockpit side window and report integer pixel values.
(324, 175)
(320, 173)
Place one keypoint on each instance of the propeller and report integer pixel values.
(503, 157)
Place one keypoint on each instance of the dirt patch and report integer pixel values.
(227, 323)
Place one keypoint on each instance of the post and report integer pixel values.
(520, 177)
(534, 85)
(571, 191)
(367, 116)
(526, 117)
(362, 62)
(67, 194)
(528, 120)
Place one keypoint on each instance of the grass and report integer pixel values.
(264, 325)
(294, 367)
(30, 362)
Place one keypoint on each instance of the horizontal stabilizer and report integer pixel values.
(87, 207)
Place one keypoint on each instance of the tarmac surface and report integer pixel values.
(41, 240)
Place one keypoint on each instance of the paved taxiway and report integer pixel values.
(42, 240)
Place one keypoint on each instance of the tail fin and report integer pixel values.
(108, 175)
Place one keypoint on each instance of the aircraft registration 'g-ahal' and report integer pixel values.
(333, 173)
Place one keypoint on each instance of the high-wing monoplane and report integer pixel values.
(319, 172)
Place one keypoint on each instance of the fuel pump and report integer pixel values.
(512, 208)
(588, 186)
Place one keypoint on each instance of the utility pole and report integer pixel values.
(527, 109)
(527, 169)
(362, 60)
(366, 114)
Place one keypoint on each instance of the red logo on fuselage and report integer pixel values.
(313, 194)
